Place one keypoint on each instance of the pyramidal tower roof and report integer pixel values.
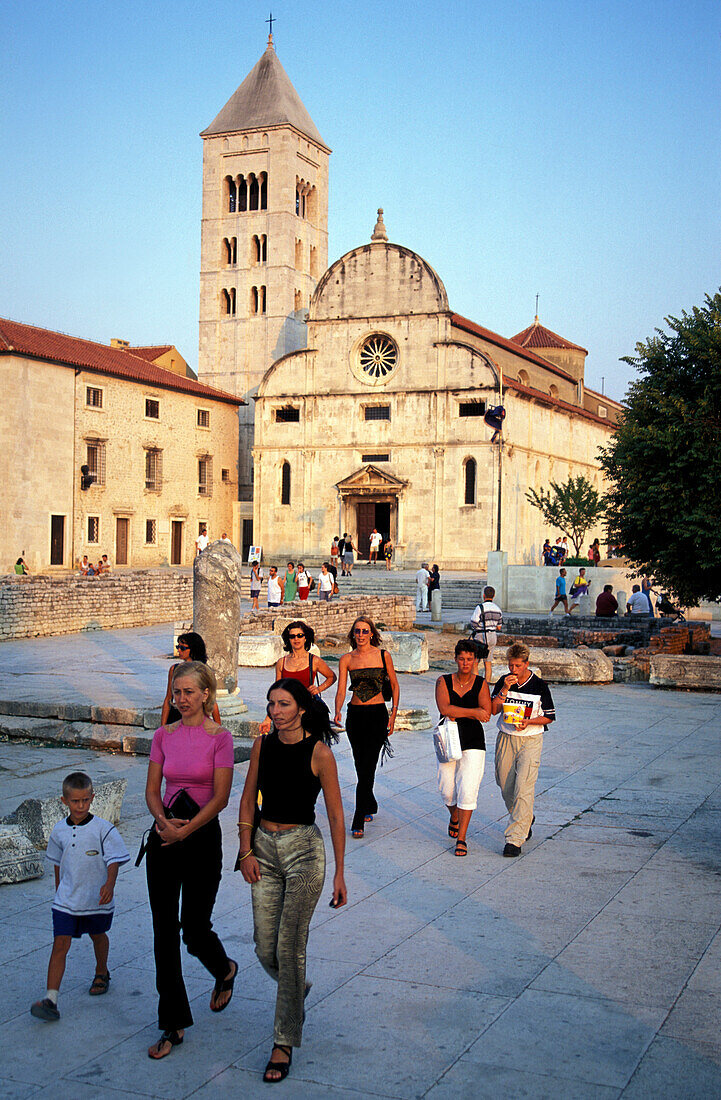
(265, 98)
(538, 336)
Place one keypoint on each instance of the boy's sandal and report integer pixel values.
(453, 827)
(224, 986)
(171, 1037)
(100, 985)
(281, 1068)
(461, 848)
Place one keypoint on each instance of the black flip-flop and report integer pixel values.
(461, 848)
(225, 986)
(171, 1037)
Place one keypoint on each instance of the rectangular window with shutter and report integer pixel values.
(96, 460)
(151, 532)
(205, 476)
(93, 530)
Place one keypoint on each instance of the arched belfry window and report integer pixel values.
(285, 483)
(253, 192)
(263, 190)
(232, 194)
(469, 481)
(242, 194)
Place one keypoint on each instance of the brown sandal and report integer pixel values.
(461, 848)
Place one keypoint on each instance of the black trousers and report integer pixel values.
(367, 729)
(183, 881)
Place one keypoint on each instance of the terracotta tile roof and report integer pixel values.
(150, 353)
(43, 343)
(555, 402)
(538, 336)
(510, 345)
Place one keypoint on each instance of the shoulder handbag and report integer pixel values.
(181, 805)
(447, 741)
(386, 686)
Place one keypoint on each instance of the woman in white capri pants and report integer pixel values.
(464, 696)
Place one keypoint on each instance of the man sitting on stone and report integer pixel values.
(637, 604)
(606, 602)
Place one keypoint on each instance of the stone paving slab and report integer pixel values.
(589, 968)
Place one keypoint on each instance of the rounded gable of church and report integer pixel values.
(378, 280)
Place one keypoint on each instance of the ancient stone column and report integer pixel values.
(216, 610)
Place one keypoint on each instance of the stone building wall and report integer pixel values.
(35, 607)
(334, 617)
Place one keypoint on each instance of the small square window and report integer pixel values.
(94, 530)
(225, 475)
(377, 412)
(472, 408)
(93, 397)
(152, 408)
(289, 414)
(602, 411)
(203, 418)
(151, 532)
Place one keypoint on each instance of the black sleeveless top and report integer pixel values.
(469, 729)
(287, 785)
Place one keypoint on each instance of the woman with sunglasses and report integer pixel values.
(368, 723)
(301, 665)
(190, 647)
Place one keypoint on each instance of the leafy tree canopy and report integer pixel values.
(664, 462)
(573, 507)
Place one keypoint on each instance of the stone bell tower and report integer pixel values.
(264, 237)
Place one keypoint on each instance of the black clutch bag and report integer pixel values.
(181, 806)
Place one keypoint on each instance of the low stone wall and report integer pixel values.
(572, 630)
(333, 617)
(36, 607)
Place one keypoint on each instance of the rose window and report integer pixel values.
(378, 356)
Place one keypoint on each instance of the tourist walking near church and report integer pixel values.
(523, 702)
(283, 860)
(368, 724)
(463, 697)
(290, 591)
(560, 596)
(388, 552)
(301, 664)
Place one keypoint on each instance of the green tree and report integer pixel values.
(664, 462)
(573, 507)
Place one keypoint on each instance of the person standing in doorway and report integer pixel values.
(376, 539)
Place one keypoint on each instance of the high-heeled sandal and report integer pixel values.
(282, 1068)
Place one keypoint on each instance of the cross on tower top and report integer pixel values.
(270, 21)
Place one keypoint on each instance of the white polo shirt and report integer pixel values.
(83, 853)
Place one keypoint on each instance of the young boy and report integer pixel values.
(86, 852)
(525, 706)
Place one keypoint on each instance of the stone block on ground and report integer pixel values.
(37, 817)
(413, 718)
(19, 859)
(685, 671)
(566, 666)
(259, 650)
(117, 716)
(409, 651)
(138, 744)
(151, 719)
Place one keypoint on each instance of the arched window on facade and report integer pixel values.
(300, 197)
(254, 299)
(230, 251)
(469, 480)
(298, 254)
(263, 248)
(253, 192)
(263, 190)
(523, 377)
(242, 194)
(261, 299)
(285, 483)
(553, 390)
(224, 302)
(298, 301)
(231, 192)
(259, 249)
(311, 203)
(314, 261)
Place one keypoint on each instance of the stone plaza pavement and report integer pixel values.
(590, 967)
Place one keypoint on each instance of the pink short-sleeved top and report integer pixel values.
(188, 756)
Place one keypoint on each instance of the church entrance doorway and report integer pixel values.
(370, 514)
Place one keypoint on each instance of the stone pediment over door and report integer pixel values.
(370, 481)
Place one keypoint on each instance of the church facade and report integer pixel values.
(366, 391)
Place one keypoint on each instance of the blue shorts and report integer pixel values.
(68, 924)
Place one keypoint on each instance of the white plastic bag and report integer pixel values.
(447, 740)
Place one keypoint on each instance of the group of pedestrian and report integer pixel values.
(281, 851)
(88, 569)
(295, 584)
(555, 554)
(428, 581)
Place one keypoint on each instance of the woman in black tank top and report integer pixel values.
(465, 698)
(285, 860)
(368, 723)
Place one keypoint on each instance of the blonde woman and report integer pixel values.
(184, 853)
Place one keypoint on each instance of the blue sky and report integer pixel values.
(559, 148)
